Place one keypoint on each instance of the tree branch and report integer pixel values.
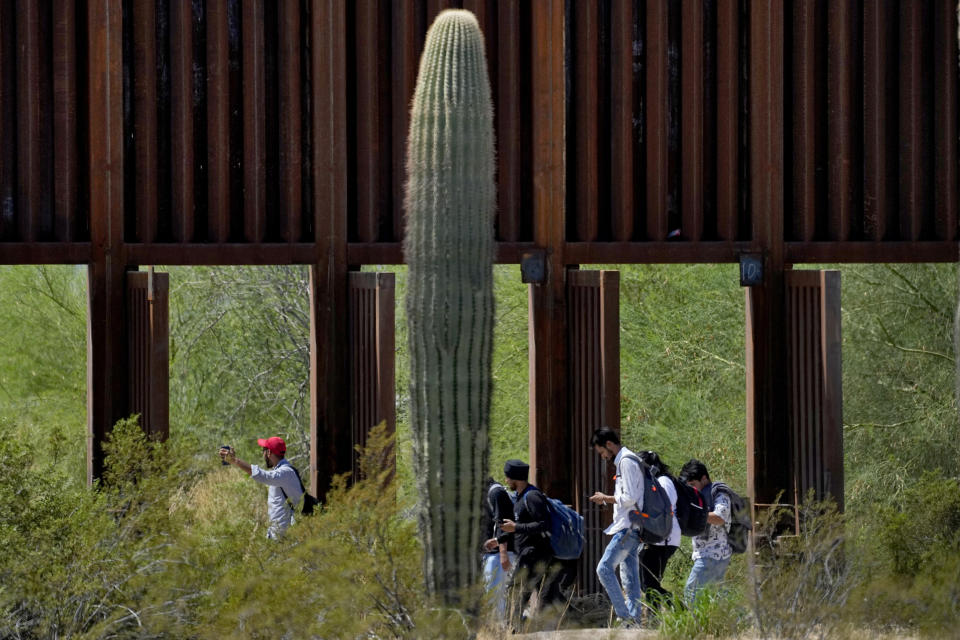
(890, 343)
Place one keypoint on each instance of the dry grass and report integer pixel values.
(647, 634)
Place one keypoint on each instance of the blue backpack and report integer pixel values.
(566, 529)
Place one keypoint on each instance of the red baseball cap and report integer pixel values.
(276, 445)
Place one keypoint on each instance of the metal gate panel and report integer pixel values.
(814, 383)
(594, 375)
(149, 350)
(372, 355)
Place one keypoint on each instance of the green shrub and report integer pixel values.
(164, 549)
(928, 604)
(915, 561)
(800, 584)
(84, 558)
(713, 614)
(922, 527)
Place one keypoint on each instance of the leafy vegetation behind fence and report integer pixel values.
(175, 547)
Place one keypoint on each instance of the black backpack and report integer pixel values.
(309, 501)
(493, 487)
(740, 521)
(487, 520)
(691, 509)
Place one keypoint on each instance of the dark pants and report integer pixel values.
(653, 562)
(537, 572)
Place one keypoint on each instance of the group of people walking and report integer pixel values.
(518, 552)
(519, 556)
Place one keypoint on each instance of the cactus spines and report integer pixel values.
(449, 248)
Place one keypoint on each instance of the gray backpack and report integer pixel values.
(655, 519)
(741, 523)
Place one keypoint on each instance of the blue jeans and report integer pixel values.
(705, 571)
(622, 551)
(496, 580)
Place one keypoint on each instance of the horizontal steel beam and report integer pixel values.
(360, 253)
(45, 252)
(875, 252)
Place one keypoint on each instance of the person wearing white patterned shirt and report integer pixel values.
(711, 549)
(281, 478)
(623, 546)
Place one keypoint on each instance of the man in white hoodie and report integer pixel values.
(622, 548)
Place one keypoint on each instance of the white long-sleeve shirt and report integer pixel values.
(282, 476)
(628, 490)
(673, 540)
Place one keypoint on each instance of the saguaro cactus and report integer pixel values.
(450, 203)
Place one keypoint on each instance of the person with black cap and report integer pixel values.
(530, 528)
(279, 475)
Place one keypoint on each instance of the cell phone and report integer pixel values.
(222, 461)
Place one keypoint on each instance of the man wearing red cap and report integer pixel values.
(284, 488)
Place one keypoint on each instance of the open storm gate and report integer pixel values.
(345, 408)
(148, 335)
(130, 373)
(807, 451)
(593, 343)
(144, 322)
(372, 355)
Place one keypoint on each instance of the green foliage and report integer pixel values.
(922, 528)
(448, 244)
(900, 570)
(801, 584)
(900, 413)
(683, 388)
(509, 413)
(42, 360)
(928, 603)
(82, 557)
(353, 570)
(713, 614)
(176, 543)
(163, 550)
(240, 355)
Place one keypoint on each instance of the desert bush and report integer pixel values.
(165, 549)
(715, 613)
(84, 559)
(898, 571)
(42, 360)
(899, 407)
(800, 584)
(927, 604)
(921, 527)
(914, 559)
(350, 571)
